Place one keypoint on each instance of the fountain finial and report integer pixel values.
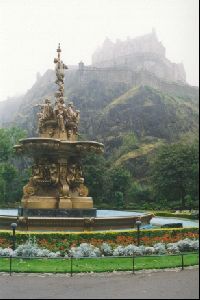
(59, 121)
(58, 50)
(60, 67)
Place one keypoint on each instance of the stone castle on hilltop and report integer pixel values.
(123, 60)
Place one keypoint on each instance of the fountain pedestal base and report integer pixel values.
(40, 202)
(79, 207)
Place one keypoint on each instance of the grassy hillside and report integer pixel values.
(147, 112)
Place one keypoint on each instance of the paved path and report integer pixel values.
(170, 284)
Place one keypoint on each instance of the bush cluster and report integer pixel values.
(31, 249)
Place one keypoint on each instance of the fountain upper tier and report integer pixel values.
(38, 147)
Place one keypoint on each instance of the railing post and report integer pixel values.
(71, 258)
(10, 265)
(133, 265)
(182, 261)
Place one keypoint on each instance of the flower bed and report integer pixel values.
(32, 249)
(59, 241)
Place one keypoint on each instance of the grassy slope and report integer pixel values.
(179, 116)
(143, 150)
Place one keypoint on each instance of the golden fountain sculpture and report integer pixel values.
(57, 184)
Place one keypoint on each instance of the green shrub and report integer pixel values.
(178, 215)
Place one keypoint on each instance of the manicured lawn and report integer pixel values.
(95, 265)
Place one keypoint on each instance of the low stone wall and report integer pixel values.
(73, 223)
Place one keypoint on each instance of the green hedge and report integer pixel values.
(180, 215)
(58, 237)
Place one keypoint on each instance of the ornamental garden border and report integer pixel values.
(66, 239)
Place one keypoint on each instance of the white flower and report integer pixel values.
(172, 248)
(6, 252)
(106, 249)
(160, 248)
(85, 250)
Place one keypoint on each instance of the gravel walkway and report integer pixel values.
(167, 284)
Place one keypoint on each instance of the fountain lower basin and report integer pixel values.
(86, 223)
(7, 216)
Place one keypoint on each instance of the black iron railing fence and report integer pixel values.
(71, 261)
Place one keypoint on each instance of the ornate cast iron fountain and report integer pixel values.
(56, 187)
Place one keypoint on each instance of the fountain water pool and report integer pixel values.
(155, 222)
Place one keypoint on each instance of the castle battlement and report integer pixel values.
(141, 53)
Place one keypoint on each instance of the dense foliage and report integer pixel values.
(13, 169)
(171, 180)
(175, 175)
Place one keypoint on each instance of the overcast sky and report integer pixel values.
(31, 29)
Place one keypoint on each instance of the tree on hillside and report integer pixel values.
(118, 183)
(175, 173)
(107, 185)
(94, 172)
(12, 179)
(139, 196)
(8, 138)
